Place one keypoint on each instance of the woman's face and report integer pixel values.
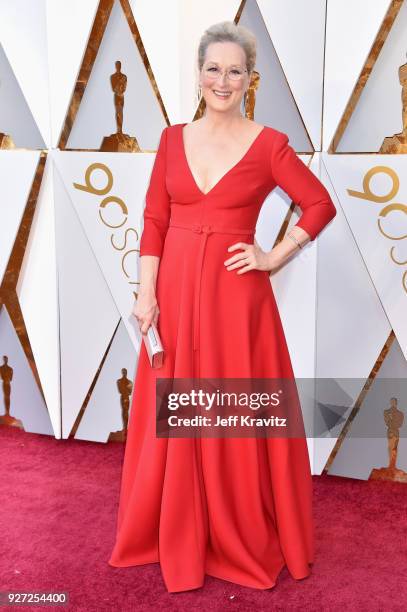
(223, 59)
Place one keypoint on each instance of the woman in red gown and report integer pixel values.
(235, 508)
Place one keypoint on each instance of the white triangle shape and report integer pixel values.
(13, 196)
(88, 315)
(301, 53)
(37, 291)
(26, 401)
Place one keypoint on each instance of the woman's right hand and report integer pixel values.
(146, 310)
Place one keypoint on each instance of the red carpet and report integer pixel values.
(58, 511)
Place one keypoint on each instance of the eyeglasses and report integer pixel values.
(214, 72)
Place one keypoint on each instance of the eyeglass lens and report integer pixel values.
(213, 72)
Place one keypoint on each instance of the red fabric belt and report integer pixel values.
(204, 230)
(209, 229)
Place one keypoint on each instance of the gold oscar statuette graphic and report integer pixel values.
(6, 142)
(119, 141)
(125, 387)
(6, 375)
(393, 417)
(250, 101)
(398, 142)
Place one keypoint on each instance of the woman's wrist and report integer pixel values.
(147, 290)
(291, 244)
(274, 261)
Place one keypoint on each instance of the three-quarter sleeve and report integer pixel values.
(303, 187)
(156, 213)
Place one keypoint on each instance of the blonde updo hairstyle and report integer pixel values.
(228, 31)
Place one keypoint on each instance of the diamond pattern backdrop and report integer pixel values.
(333, 76)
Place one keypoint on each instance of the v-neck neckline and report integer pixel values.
(226, 174)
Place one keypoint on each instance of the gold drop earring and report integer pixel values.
(199, 95)
(243, 109)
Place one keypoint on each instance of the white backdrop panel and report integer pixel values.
(275, 104)
(368, 124)
(38, 296)
(13, 196)
(23, 34)
(357, 456)
(349, 307)
(347, 172)
(116, 249)
(160, 21)
(103, 413)
(301, 53)
(16, 118)
(350, 33)
(26, 401)
(96, 114)
(88, 315)
(69, 25)
(348, 310)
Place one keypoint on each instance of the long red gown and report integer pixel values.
(238, 509)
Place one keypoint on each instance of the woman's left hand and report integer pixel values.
(250, 257)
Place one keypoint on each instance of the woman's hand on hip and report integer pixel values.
(250, 257)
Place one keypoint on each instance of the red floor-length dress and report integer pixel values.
(238, 509)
